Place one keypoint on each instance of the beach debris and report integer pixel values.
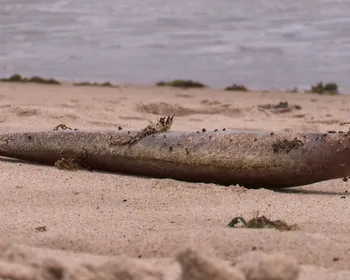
(62, 126)
(262, 222)
(105, 84)
(184, 84)
(236, 87)
(16, 78)
(163, 125)
(281, 107)
(328, 88)
(41, 229)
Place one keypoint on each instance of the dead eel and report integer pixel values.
(253, 159)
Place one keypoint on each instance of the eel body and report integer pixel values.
(252, 159)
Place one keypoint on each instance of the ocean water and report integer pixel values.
(262, 44)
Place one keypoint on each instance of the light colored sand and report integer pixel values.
(153, 222)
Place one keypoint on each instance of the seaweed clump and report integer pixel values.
(16, 78)
(328, 88)
(236, 87)
(281, 107)
(105, 84)
(164, 124)
(262, 222)
(182, 84)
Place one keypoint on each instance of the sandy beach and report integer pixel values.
(59, 224)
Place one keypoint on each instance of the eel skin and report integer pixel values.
(252, 159)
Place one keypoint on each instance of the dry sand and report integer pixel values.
(110, 226)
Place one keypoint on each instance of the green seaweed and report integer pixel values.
(182, 84)
(105, 84)
(16, 78)
(236, 87)
(328, 88)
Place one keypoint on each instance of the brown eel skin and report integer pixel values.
(253, 159)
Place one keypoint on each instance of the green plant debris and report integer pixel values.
(281, 107)
(328, 88)
(105, 84)
(164, 124)
(182, 84)
(262, 222)
(16, 78)
(286, 145)
(236, 87)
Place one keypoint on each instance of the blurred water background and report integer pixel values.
(262, 44)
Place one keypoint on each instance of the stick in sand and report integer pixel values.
(252, 159)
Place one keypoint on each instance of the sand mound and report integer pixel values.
(24, 263)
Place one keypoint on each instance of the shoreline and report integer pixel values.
(319, 88)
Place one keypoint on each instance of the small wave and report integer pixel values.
(56, 7)
(153, 45)
(174, 22)
(264, 50)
